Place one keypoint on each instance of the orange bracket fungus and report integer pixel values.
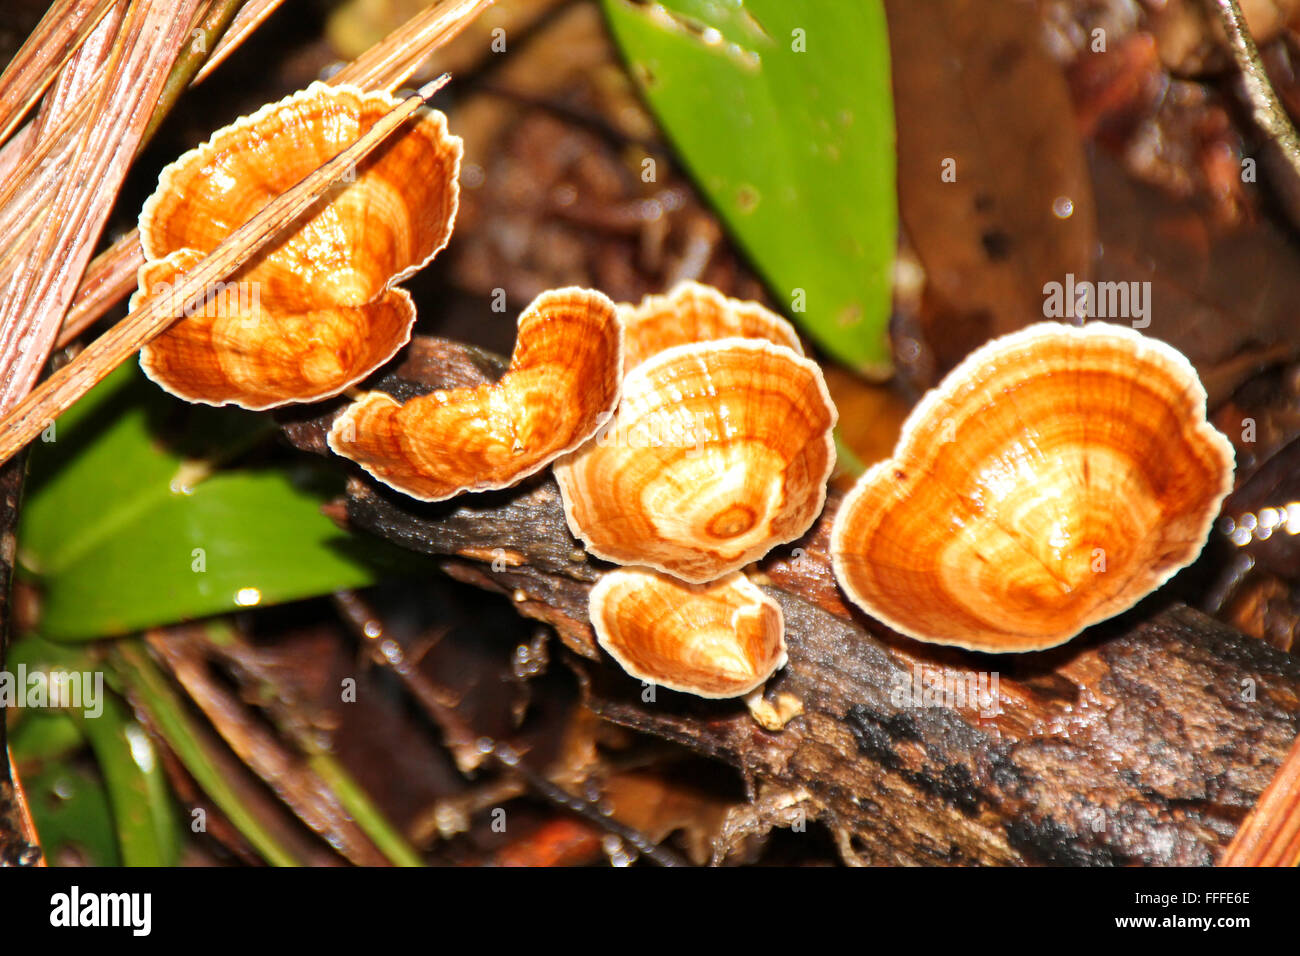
(722, 639)
(562, 385)
(718, 452)
(692, 312)
(315, 312)
(1053, 479)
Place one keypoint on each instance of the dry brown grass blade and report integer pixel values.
(251, 16)
(26, 191)
(387, 65)
(34, 149)
(283, 769)
(121, 77)
(108, 351)
(60, 33)
(206, 31)
(111, 275)
(109, 278)
(1270, 834)
(36, 159)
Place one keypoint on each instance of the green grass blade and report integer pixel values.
(168, 715)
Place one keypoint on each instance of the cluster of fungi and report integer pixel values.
(1051, 481)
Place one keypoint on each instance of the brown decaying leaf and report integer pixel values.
(558, 842)
(977, 95)
(1177, 207)
(1191, 37)
(1198, 302)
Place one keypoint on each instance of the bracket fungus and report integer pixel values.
(316, 311)
(1054, 478)
(722, 639)
(561, 387)
(692, 312)
(718, 452)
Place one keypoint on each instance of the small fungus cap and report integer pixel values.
(719, 451)
(722, 639)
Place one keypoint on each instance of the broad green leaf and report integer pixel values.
(783, 113)
(41, 735)
(122, 531)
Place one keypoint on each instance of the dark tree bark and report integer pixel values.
(18, 840)
(1145, 741)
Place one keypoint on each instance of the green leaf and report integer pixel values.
(43, 736)
(70, 808)
(783, 112)
(122, 530)
(142, 812)
(167, 712)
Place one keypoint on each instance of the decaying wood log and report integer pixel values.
(1145, 741)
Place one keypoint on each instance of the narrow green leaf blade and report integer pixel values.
(73, 681)
(167, 713)
(143, 814)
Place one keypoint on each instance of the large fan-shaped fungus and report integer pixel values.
(718, 452)
(321, 297)
(562, 385)
(1053, 479)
